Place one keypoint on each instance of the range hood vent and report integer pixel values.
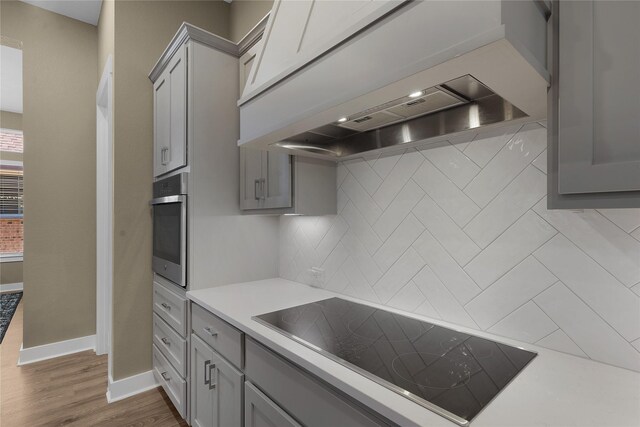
(455, 106)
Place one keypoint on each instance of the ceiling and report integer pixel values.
(83, 10)
(11, 79)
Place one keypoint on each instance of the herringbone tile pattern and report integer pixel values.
(459, 231)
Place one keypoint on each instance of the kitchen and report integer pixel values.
(343, 213)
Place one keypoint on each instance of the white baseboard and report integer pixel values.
(11, 287)
(56, 349)
(130, 386)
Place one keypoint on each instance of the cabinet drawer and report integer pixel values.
(303, 396)
(171, 307)
(260, 411)
(170, 380)
(172, 345)
(222, 337)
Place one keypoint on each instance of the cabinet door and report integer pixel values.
(161, 123)
(178, 110)
(227, 381)
(277, 180)
(202, 389)
(260, 411)
(599, 98)
(251, 183)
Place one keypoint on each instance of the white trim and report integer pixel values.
(104, 212)
(130, 386)
(17, 257)
(11, 287)
(13, 131)
(56, 349)
(5, 162)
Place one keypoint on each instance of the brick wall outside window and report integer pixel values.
(11, 235)
(11, 140)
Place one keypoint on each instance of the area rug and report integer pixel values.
(8, 304)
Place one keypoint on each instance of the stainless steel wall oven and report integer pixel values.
(170, 228)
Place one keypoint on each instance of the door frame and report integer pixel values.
(104, 212)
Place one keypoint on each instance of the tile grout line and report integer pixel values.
(565, 332)
(612, 222)
(403, 218)
(444, 173)
(508, 271)
(497, 152)
(362, 160)
(595, 261)
(438, 240)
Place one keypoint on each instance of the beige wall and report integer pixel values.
(10, 272)
(60, 67)
(106, 37)
(9, 120)
(245, 14)
(143, 29)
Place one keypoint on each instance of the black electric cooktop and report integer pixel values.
(451, 373)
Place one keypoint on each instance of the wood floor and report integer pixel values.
(70, 391)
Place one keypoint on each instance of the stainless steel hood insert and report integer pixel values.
(452, 107)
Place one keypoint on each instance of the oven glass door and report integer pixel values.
(169, 239)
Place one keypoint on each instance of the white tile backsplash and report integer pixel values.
(459, 231)
(528, 323)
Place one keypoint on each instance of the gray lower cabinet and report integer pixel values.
(216, 388)
(260, 411)
(304, 397)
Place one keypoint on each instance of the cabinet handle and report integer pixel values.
(255, 189)
(164, 159)
(166, 306)
(262, 192)
(165, 376)
(165, 341)
(212, 385)
(207, 381)
(210, 331)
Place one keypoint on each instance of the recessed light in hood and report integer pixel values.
(455, 106)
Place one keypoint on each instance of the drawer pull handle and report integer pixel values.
(210, 331)
(166, 341)
(166, 306)
(165, 376)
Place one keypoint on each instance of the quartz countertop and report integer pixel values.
(555, 389)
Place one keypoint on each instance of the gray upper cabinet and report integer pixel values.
(278, 183)
(170, 115)
(265, 180)
(595, 105)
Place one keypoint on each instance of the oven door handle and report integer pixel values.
(167, 199)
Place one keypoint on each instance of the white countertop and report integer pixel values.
(555, 389)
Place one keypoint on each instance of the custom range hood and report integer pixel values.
(389, 73)
(455, 106)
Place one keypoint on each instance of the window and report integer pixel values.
(11, 196)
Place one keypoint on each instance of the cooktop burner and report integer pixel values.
(449, 372)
